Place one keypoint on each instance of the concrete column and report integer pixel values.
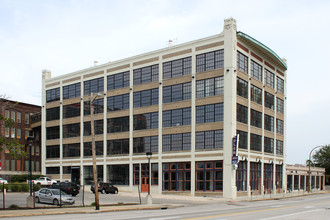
(230, 57)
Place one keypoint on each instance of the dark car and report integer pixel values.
(67, 187)
(105, 187)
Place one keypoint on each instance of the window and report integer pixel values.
(98, 127)
(119, 102)
(145, 75)
(209, 139)
(12, 132)
(242, 62)
(71, 91)
(71, 130)
(241, 176)
(52, 151)
(118, 124)
(242, 88)
(209, 113)
(177, 92)
(52, 170)
(27, 118)
(256, 71)
(256, 94)
(53, 95)
(98, 148)
(243, 139)
(210, 87)
(177, 117)
(71, 110)
(52, 114)
(18, 133)
(145, 121)
(269, 100)
(145, 144)
(7, 114)
(269, 78)
(145, 173)
(242, 113)
(118, 174)
(256, 118)
(7, 132)
(119, 80)
(98, 105)
(280, 85)
(268, 176)
(87, 128)
(255, 142)
(209, 61)
(177, 68)
(27, 133)
(71, 150)
(268, 145)
(13, 116)
(176, 176)
(269, 123)
(177, 142)
(279, 126)
(279, 105)
(255, 175)
(279, 176)
(115, 147)
(19, 117)
(279, 147)
(209, 176)
(94, 85)
(145, 98)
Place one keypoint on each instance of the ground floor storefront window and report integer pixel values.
(255, 175)
(209, 176)
(268, 177)
(176, 176)
(241, 176)
(88, 174)
(118, 174)
(279, 176)
(145, 173)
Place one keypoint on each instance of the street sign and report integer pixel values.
(234, 159)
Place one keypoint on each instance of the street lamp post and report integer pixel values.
(29, 200)
(97, 203)
(149, 198)
(309, 170)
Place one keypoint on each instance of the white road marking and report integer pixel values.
(309, 207)
(277, 206)
(297, 213)
(165, 218)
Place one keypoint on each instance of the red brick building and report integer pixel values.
(23, 115)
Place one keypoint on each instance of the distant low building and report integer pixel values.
(23, 116)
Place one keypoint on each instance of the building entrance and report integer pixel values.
(144, 184)
(75, 175)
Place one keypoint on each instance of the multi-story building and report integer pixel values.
(21, 114)
(184, 103)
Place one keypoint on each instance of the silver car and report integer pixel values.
(53, 196)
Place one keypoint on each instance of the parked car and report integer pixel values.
(53, 196)
(67, 187)
(3, 181)
(44, 181)
(105, 187)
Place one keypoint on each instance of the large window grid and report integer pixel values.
(120, 124)
(209, 176)
(145, 74)
(268, 177)
(241, 176)
(177, 68)
(269, 100)
(177, 92)
(279, 147)
(279, 176)
(117, 81)
(53, 95)
(242, 113)
(52, 133)
(145, 173)
(145, 98)
(210, 87)
(242, 88)
(98, 148)
(243, 139)
(52, 151)
(256, 70)
(52, 114)
(177, 142)
(242, 62)
(71, 150)
(269, 78)
(145, 121)
(279, 105)
(279, 126)
(256, 118)
(255, 142)
(98, 127)
(176, 176)
(145, 144)
(71, 130)
(256, 94)
(269, 123)
(209, 139)
(71, 91)
(119, 102)
(209, 61)
(255, 176)
(71, 110)
(280, 85)
(268, 145)
(177, 117)
(94, 85)
(98, 105)
(115, 147)
(209, 113)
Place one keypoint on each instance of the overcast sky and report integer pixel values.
(65, 36)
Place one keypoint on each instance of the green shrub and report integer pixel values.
(14, 187)
(6, 187)
(36, 187)
(93, 204)
(13, 206)
(25, 188)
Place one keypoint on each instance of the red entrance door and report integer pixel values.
(145, 184)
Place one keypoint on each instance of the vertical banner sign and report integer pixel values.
(0, 166)
(234, 159)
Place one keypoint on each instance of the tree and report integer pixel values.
(321, 158)
(15, 149)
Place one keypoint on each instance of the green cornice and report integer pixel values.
(241, 34)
